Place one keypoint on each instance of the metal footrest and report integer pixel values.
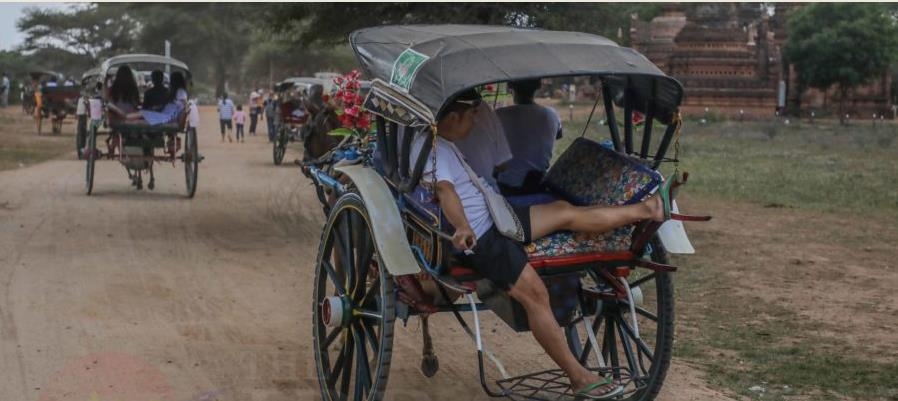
(553, 385)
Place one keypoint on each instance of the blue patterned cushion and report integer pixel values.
(589, 174)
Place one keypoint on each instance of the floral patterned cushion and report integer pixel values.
(589, 174)
(567, 243)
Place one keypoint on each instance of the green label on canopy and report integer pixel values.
(406, 66)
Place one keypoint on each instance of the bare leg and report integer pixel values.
(561, 215)
(530, 291)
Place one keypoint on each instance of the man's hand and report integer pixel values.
(464, 239)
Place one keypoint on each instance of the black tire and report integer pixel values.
(191, 161)
(614, 334)
(81, 136)
(280, 145)
(91, 158)
(370, 301)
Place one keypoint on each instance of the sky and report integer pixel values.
(10, 13)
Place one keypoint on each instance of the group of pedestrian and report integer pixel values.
(232, 116)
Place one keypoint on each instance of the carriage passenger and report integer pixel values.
(461, 197)
(531, 130)
(156, 97)
(175, 105)
(123, 94)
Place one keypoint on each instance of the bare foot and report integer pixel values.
(655, 208)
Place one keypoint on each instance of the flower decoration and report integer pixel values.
(348, 105)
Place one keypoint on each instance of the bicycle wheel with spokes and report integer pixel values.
(353, 307)
(634, 349)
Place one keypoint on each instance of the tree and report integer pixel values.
(331, 23)
(82, 34)
(843, 44)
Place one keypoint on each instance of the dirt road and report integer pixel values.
(145, 295)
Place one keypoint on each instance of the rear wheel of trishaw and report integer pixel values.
(353, 307)
(191, 160)
(91, 157)
(280, 145)
(639, 358)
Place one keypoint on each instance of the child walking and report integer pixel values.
(239, 120)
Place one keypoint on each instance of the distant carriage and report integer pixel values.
(55, 102)
(136, 144)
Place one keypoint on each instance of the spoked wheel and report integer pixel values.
(81, 136)
(57, 125)
(191, 161)
(280, 145)
(91, 157)
(636, 355)
(353, 308)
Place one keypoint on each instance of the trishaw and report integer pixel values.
(56, 101)
(612, 294)
(91, 83)
(135, 143)
(291, 114)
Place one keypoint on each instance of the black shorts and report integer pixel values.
(498, 258)
(225, 123)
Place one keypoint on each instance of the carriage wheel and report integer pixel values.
(40, 123)
(80, 137)
(191, 161)
(353, 308)
(57, 125)
(639, 363)
(280, 145)
(91, 157)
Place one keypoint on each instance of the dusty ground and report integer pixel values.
(128, 296)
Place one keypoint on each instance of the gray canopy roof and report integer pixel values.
(434, 63)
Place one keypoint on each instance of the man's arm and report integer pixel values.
(464, 237)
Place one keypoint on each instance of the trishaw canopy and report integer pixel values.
(421, 67)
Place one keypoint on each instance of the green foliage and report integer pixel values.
(845, 44)
(82, 34)
(331, 23)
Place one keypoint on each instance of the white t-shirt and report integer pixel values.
(531, 130)
(486, 146)
(450, 169)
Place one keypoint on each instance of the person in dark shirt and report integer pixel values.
(156, 97)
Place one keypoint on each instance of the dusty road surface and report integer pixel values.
(148, 296)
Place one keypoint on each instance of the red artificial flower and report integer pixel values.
(363, 123)
(325, 97)
(352, 111)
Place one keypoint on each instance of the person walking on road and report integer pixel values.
(255, 108)
(239, 121)
(4, 91)
(270, 109)
(225, 114)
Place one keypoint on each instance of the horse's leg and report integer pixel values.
(429, 362)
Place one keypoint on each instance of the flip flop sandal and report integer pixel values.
(585, 393)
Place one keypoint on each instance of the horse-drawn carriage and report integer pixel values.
(135, 142)
(55, 98)
(297, 100)
(292, 97)
(612, 293)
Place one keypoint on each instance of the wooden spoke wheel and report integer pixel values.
(353, 307)
(280, 145)
(636, 355)
(191, 160)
